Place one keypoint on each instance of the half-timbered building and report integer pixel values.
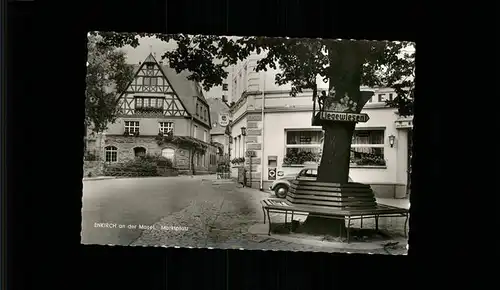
(160, 102)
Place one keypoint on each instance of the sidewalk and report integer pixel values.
(98, 178)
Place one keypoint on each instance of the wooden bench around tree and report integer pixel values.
(275, 205)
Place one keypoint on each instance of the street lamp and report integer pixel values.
(392, 138)
(243, 131)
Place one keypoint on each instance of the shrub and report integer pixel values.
(300, 157)
(238, 160)
(223, 167)
(88, 156)
(136, 167)
(158, 160)
(371, 160)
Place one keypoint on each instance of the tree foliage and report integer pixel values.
(346, 64)
(107, 77)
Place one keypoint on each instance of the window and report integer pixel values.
(139, 151)
(150, 66)
(308, 173)
(205, 136)
(195, 131)
(149, 104)
(150, 81)
(383, 98)
(240, 147)
(197, 109)
(131, 126)
(166, 127)
(367, 147)
(111, 154)
(302, 146)
(235, 147)
(224, 87)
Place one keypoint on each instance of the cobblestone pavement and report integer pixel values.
(221, 220)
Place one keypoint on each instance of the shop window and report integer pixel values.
(302, 146)
(367, 148)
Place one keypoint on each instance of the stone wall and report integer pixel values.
(92, 168)
(126, 145)
(182, 156)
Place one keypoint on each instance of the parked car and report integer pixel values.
(282, 185)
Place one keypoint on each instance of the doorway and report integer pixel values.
(168, 153)
(139, 151)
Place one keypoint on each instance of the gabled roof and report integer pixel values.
(217, 106)
(184, 88)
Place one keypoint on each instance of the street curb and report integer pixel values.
(98, 178)
(261, 230)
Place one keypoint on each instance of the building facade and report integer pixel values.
(157, 104)
(279, 131)
(219, 114)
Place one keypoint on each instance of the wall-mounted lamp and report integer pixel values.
(243, 131)
(392, 138)
(230, 139)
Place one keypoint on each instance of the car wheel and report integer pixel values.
(281, 191)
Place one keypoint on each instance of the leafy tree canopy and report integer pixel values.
(346, 64)
(107, 77)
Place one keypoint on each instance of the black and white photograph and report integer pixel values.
(256, 143)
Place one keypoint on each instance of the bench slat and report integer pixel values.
(380, 209)
(308, 195)
(331, 203)
(351, 185)
(332, 191)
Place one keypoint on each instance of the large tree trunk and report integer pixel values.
(334, 168)
(345, 70)
(334, 165)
